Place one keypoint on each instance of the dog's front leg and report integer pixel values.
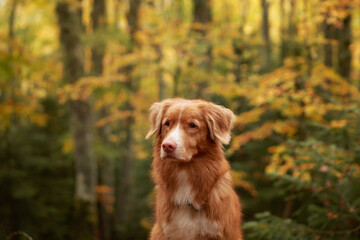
(224, 208)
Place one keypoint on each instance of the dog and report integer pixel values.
(195, 199)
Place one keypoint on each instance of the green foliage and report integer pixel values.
(323, 191)
(36, 178)
(315, 169)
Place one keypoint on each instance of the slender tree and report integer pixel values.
(133, 19)
(292, 20)
(11, 31)
(9, 154)
(238, 44)
(11, 40)
(98, 22)
(344, 37)
(329, 34)
(294, 49)
(80, 14)
(266, 60)
(105, 166)
(116, 13)
(307, 43)
(123, 167)
(82, 122)
(202, 19)
(202, 13)
(161, 82)
(176, 81)
(283, 33)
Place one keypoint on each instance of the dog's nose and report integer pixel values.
(169, 146)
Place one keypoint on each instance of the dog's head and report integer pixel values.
(185, 128)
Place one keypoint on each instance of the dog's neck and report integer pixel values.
(203, 171)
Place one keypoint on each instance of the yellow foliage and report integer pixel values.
(239, 181)
(113, 138)
(107, 99)
(239, 141)
(277, 149)
(305, 177)
(140, 153)
(84, 87)
(39, 119)
(282, 163)
(287, 165)
(288, 128)
(250, 116)
(292, 109)
(338, 123)
(68, 145)
(315, 112)
(30, 110)
(116, 115)
(280, 92)
(274, 163)
(146, 223)
(300, 162)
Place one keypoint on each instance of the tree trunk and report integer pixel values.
(238, 44)
(116, 13)
(11, 40)
(292, 20)
(238, 50)
(294, 49)
(329, 33)
(161, 83)
(344, 59)
(123, 173)
(265, 61)
(79, 12)
(202, 18)
(179, 5)
(106, 170)
(8, 163)
(307, 44)
(176, 81)
(283, 34)
(344, 52)
(85, 163)
(133, 18)
(11, 31)
(123, 167)
(98, 21)
(202, 12)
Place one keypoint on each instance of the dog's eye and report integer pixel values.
(167, 123)
(192, 125)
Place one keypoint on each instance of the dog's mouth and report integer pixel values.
(172, 157)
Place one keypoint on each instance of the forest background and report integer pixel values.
(77, 78)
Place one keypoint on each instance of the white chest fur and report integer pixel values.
(184, 195)
(186, 223)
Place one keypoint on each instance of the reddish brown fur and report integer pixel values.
(215, 205)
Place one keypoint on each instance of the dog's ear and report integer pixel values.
(156, 112)
(219, 121)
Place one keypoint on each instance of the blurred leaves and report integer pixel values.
(295, 149)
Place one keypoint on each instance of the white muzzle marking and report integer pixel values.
(175, 136)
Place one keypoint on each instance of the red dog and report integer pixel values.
(194, 195)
